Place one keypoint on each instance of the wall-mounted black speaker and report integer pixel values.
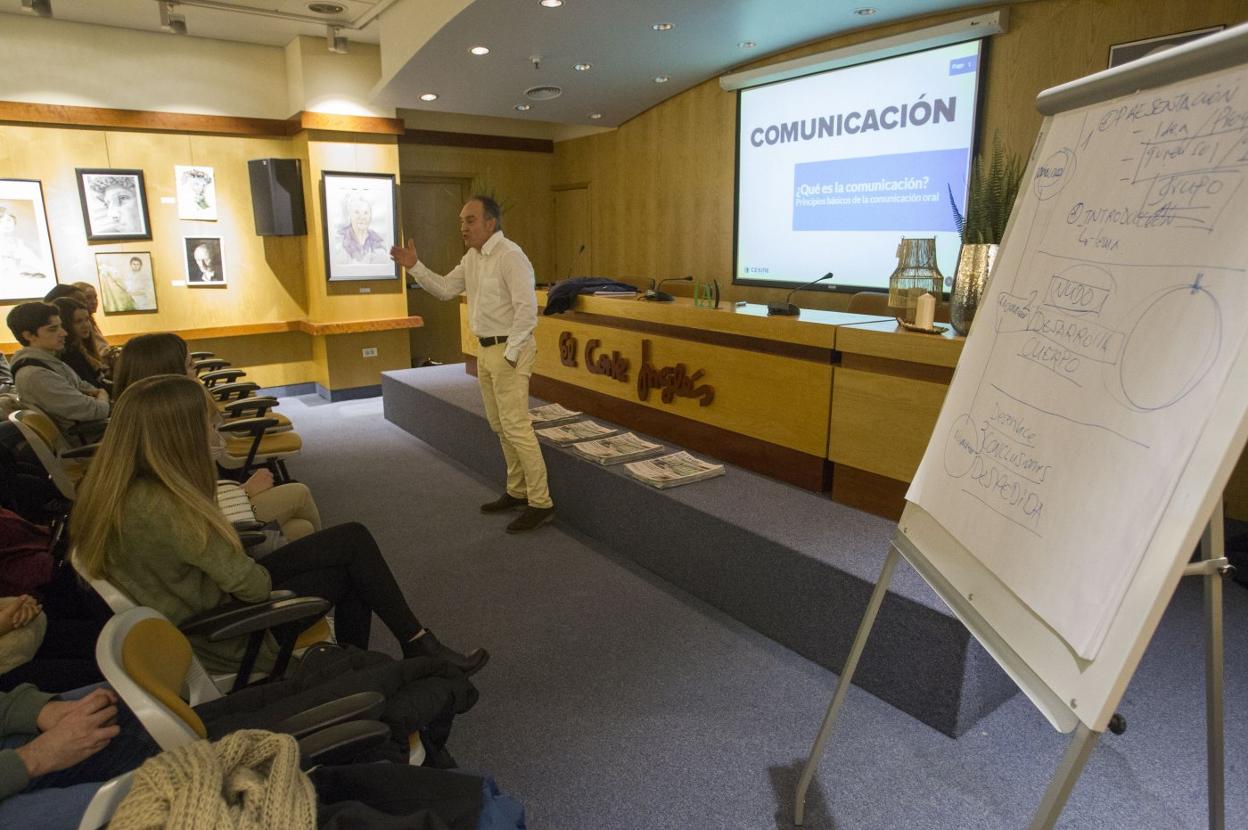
(277, 197)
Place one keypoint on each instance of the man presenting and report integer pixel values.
(502, 313)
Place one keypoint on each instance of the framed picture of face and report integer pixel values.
(114, 204)
(205, 265)
(361, 213)
(126, 282)
(1121, 53)
(27, 270)
(197, 192)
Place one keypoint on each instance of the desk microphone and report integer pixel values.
(658, 296)
(786, 308)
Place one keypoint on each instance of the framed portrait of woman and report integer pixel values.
(114, 204)
(27, 270)
(361, 222)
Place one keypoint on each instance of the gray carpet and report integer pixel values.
(616, 702)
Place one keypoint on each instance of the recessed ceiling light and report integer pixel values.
(595, 115)
(582, 67)
(480, 50)
(429, 96)
(747, 44)
(523, 107)
(663, 27)
(661, 79)
(552, 4)
(327, 8)
(865, 11)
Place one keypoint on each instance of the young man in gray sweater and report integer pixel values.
(42, 379)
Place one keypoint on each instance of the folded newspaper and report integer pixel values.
(566, 434)
(617, 448)
(673, 470)
(550, 413)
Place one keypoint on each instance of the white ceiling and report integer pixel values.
(615, 36)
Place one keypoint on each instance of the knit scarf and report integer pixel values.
(248, 780)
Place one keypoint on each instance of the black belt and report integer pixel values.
(493, 341)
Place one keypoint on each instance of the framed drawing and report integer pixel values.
(361, 222)
(126, 282)
(197, 192)
(27, 270)
(114, 204)
(1121, 53)
(205, 265)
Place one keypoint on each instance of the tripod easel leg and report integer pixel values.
(843, 684)
(1212, 546)
(1081, 746)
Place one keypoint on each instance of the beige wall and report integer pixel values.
(661, 186)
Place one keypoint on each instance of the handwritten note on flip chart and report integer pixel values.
(1119, 300)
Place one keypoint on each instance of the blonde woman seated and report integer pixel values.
(290, 505)
(146, 521)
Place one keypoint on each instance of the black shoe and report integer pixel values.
(504, 502)
(429, 646)
(531, 519)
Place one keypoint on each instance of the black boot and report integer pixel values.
(427, 645)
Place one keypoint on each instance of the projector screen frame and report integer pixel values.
(985, 40)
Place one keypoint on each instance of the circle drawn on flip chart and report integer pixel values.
(1053, 173)
(1172, 346)
(962, 446)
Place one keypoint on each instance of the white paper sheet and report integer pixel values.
(1117, 303)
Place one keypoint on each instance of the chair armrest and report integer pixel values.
(359, 706)
(197, 356)
(81, 452)
(228, 375)
(244, 525)
(251, 538)
(233, 391)
(235, 619)
(210, 364)
(260, 405)
(341, 743)
(87, 428)
(252, 426)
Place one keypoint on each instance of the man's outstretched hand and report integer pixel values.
(405, 256)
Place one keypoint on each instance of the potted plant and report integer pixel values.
(989, 199)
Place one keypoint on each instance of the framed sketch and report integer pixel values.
(114, 204)
(205, 265)
(197, 192)
(361, 221)
(1121, 53)
(27, 270)
(126, 282)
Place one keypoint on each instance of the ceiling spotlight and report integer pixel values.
(335, 40)
(747, 44)
(663, 27)
(552, 4)
(480, 50)
(170, 21)
(523, 107)
(582, 67)
(43, 8)
(661, 79)
(326, 8)
(865, 11)
(429, 96)
(595, 115)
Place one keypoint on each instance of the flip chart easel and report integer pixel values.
(1073, 677)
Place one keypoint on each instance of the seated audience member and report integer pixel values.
(91, 299)
(43, 380)
(290, 505)
(146, 520)
(78, 351)
(54, 754)
(6, 376)
(65, 290)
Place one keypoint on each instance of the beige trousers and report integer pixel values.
(291, 506)
(505, 391)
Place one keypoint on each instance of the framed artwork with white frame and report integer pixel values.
(197, 192)
(361, 224)
(205, 261)
(27, 268)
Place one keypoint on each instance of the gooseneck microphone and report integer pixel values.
(655, 295)
(786, 308)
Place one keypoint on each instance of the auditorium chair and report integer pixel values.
(65, 464)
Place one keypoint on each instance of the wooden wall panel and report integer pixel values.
(882, 423)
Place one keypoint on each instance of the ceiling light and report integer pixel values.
(170, 21)
(480, 50)
(663, 27)
(661, 79)
(523, 107)
(43, 8)
(326, 8)
(595, 115)
(335, 40)
(429, 96)
(865, 11)
(552, 4)
(747, 44)
(582, 67)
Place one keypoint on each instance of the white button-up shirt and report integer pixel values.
(499, 282)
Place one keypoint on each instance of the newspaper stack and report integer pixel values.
(617, 448)
(673, 470)
(551, 413)
(566, 434)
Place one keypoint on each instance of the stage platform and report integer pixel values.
(791, 564)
